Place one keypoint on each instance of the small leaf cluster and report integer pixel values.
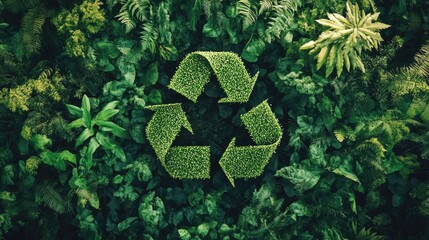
(79, 24)
(48, 84)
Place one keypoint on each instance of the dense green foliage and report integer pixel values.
(78, 81)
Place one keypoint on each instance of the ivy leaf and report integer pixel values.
(184, 234)
(203, 229)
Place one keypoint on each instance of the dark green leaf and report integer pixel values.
(152, 73)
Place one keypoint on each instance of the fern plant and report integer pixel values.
(342, 44)
(412, 79)
(32, 24)
(266, 21)
(46, 194)
(152, 20)
(35, 15)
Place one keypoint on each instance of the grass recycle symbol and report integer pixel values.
(189, 162)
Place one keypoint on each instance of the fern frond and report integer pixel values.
(371, 148)
(248, 10)
(212, 8)
(423, 208)
(421, 65)
(367, 234)
(412, 79)
(133, 11)
(265, 5)
(32, 24)
(382, 219)
(46, 193)
(125, 18)
(148, 37)
(345, 133)
(407, 81)
(282, 17)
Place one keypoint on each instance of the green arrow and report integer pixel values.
(249, 161)
(195, 70)
(164, 126)
(161, 131)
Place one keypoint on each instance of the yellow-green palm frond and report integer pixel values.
(342, 44)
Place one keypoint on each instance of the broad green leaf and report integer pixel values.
(119, 152)
(94, 201)
(224, 228)
(112, 127)
(86, 104)
(110, 105)
(76, 123)
(86, 118)
(92, 147)
(87, 133)
(74, 110)
(106, 114)
(105, 141)
(352, 200)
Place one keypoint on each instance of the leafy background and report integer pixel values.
(352, 164)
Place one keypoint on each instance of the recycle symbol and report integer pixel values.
(193, 162)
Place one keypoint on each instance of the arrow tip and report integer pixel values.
(241, 95)
(223, 163)
(253, 79)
